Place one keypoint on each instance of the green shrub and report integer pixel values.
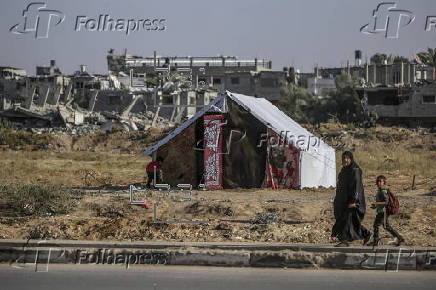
(5, 124)
(30, 199)
(14, 138)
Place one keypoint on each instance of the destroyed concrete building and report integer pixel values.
(322, 80)
(398, 93)
(48, 70)
(136, 85)
(12, 85)
(47, 86)
(248, 76)
(396, 74)
(176, 88)
(406, 105)
(44, 89)
(78, 103)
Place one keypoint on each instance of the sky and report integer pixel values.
(299, 33)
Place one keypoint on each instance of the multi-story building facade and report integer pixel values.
(248, 76)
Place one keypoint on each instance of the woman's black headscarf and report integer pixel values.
(348, 154)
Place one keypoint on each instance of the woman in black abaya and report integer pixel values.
(349, 204)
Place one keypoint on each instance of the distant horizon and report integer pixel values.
(299, 34)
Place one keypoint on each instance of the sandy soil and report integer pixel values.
(230, 215)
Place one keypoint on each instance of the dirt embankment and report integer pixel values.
(116, 141)
(241, 215)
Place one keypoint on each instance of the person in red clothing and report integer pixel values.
(154, 166)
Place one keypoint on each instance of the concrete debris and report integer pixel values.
(84, 102)
(63, 119)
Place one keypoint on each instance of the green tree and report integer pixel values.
(399, 58)
(297, 102)
(428, 57)
(343, 104)
(379, 58)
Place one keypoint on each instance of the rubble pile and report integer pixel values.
(73, 120)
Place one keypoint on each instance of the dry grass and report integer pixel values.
(45, 167)
(115, 158)
(394, 161)
(22, 139)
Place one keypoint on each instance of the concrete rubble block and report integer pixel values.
(70, 116)
(78, 118)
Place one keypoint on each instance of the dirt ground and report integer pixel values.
(239, 216)
(104, 170)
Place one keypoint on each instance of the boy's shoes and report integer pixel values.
(342, 244)
(393, 242)
(367, 238)
(374, 243)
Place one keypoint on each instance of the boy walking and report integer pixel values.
(382, 200)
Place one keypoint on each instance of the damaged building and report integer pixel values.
(248, 76)
(80, 103)
(12, 86)
(406, 105)
(171, 88)
(322, 80)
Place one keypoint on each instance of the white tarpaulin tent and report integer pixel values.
(317, 162)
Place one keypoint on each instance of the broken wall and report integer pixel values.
(116, 100)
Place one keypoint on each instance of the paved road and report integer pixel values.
(84, 277)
